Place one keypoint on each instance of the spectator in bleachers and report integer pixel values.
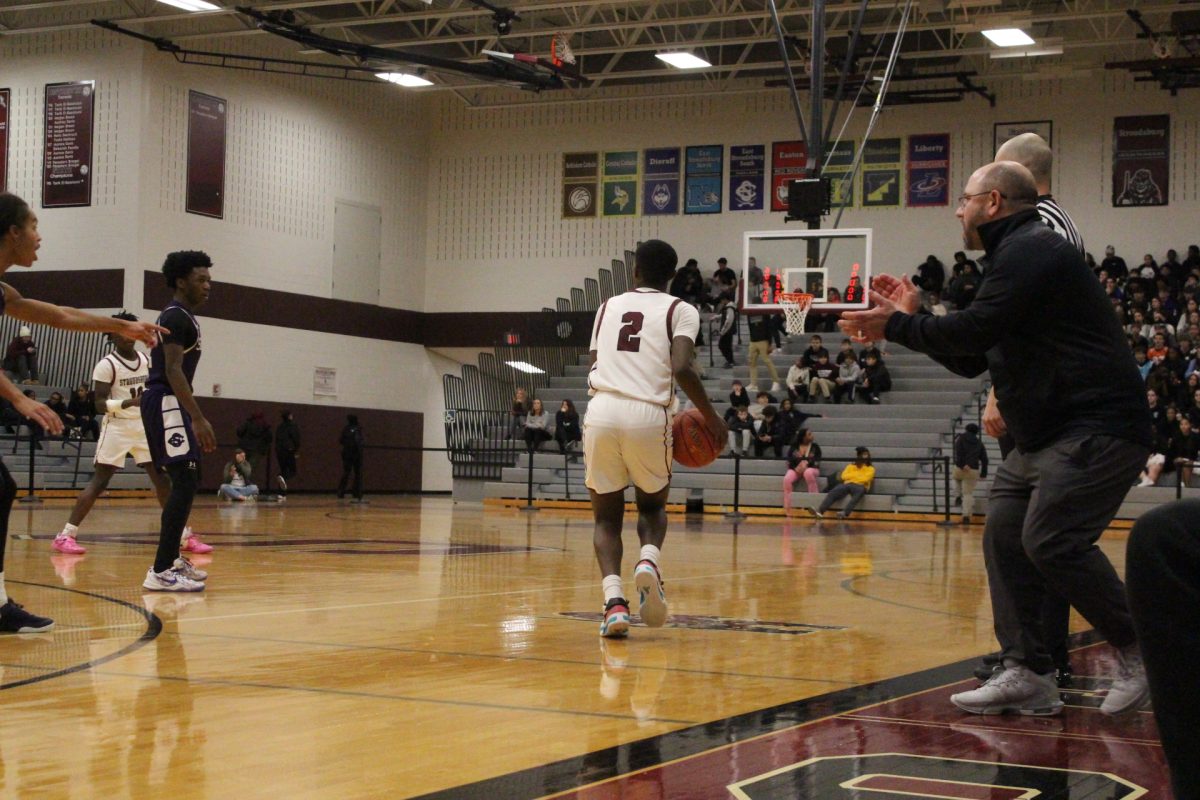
(1090, 260)
(790, 420)
(727, 315)
(1114, 291)
(797, 380)
(770, 433)
(804, 462)
(36, 432)
(1139, 328)
(537, 425)
(963, 288)
(847, 347)
(56, 404)
(754, 276)
(1193, 258)
(1113, 264)
(970, 464)
(800, 417)
(1144, 364)
(934, 304)
(1158, 348)
(822, 384)
(1158, 411)
(518, 412)
(81, 413)
(960, 262)
(741, 430)
(846, 380)
(1149, 268)
(687, 284)
(1183, 450)
(738, 397)
(875, 378)
(869, 348)
(931, 274)
(760, 349)
(21, 358)
(724, 280)
(761, 401)
(567, 431)
(855, 481)
(237, 482)
(1154, 464)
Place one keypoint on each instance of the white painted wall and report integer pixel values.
(495, 219)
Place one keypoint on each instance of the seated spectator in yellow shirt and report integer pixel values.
(856, 482)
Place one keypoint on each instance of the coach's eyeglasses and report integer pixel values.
(962, 200)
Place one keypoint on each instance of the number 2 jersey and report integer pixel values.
(632, 340)
(127, 378)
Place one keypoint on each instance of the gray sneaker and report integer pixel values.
(1129, 691)
(1016, 689)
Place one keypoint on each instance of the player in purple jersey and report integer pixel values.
(19, 243)
(176, 430)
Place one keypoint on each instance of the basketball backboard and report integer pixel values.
(812, 261)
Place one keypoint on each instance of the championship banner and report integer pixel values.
(929, 170)
(5, 98)
(620, 183)
(789, 162)
(838, 164)
(206, 155)
(747, 164)
(881, 173)
(67, 157)
(704, 171)
(580, 174)
(660, 186)
(1141, 160)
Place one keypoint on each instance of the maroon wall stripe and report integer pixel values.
(79, 288)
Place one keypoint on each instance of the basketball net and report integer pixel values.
(560, 49)
(795, 309)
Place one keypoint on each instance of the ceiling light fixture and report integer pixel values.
(403, 79)
(1008, 37)
(192, 5)
(1023, 52)
(681, 60)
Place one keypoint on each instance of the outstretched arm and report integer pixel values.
(72, 319)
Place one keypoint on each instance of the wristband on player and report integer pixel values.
(113, 406)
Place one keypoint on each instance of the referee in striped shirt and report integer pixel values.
(1032, 152)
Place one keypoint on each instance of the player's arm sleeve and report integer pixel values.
(182, 331)
(687, 321)
(104, 372)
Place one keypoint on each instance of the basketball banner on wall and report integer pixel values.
(881, 173)
(929, 170)
(704, 173)
(620, 183)
(206, 155)
(747, 165)
(789, 161)
(67, 157)
(837, 169)
(660, 186)
(5, 98)
(580, 173)
(1141, 160)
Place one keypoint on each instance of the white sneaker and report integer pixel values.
(752, 387)
(1130, 689)
(1145, 482)
(1018, 689)
(652, 600)
(775, 387)
(189, 570)
(169, 580)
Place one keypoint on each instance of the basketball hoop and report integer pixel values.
(560, 49)
(795, 309)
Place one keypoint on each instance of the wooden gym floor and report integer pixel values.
(418, 648)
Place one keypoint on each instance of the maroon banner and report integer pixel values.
(5, 99)
(789, 162)
(206, 155)
(1141, 160)
(67, 159)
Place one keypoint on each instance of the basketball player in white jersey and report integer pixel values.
(120, 378)
(643, 343)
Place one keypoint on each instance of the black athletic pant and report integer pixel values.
(725, 343)
(1162, 573)
(351, 464)
(287, 468)
(184, 481)
(8, 493)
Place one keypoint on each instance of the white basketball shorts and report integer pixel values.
(626, 441)
(121, 437)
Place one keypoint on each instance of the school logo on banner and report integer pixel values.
(620, 183)
(789, 162)
(837, 169)
(660, 186)
(580, 174)
(704, 172)
(929, 170)
(1141, 160)
(747, 166)
(881, 173)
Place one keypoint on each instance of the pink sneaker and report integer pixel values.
(68, 545)
(192, 544)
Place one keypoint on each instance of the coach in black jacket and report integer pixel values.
(1068, 388)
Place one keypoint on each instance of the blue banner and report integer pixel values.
(660, 181)
(747, 164)
(704, 172)
(929, 170)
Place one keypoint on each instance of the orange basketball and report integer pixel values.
(692, 443)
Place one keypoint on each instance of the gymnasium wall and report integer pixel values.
(494, 210)
(294, 147)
